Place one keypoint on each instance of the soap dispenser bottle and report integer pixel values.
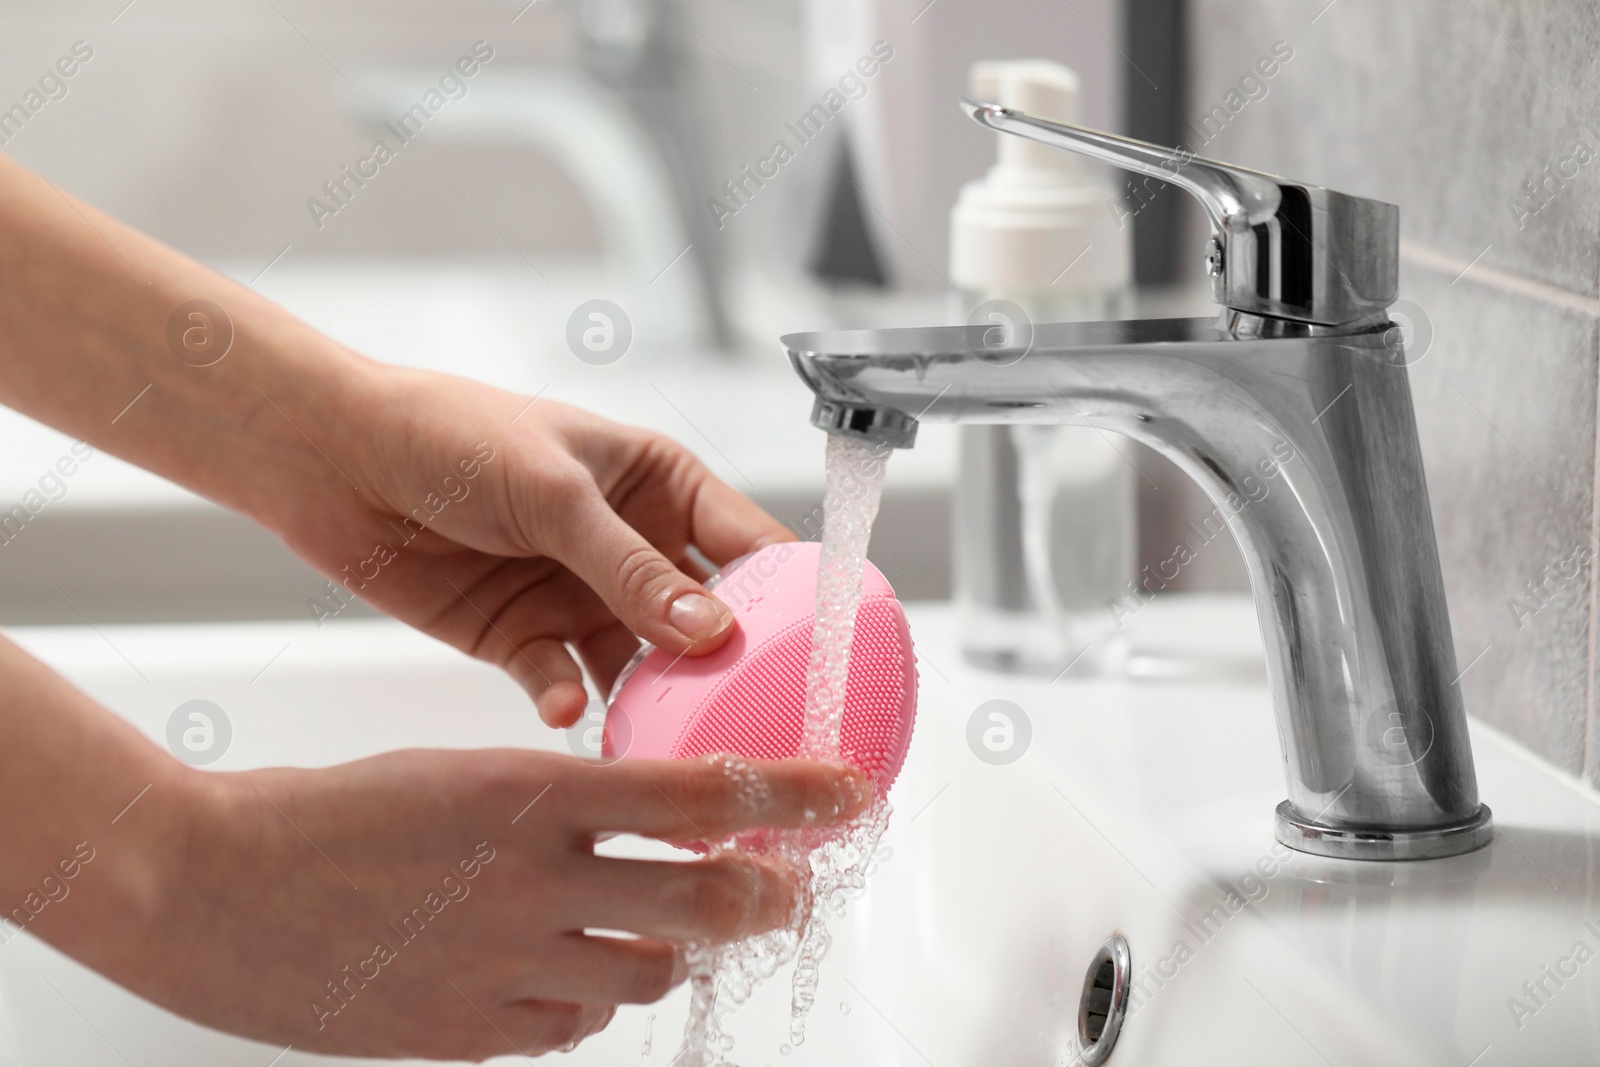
(1045, 516)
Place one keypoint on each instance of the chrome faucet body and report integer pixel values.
(1293, 411)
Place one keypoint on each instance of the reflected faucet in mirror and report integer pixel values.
(1292, 410)
(621, 125)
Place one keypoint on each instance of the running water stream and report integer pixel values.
(723, 977)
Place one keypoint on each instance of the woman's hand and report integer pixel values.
(540, 527)
(515, 530)
(419, 903)
(434, 903)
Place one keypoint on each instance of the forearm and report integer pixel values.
(94, 815)
(85, 303)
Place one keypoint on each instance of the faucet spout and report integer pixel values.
(1304, 437)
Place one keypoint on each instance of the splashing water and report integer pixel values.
(723, 977)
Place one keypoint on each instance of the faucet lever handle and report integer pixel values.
(1278, 248)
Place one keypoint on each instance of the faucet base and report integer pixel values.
(1350, 843)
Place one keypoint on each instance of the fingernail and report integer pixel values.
(699, 617)
(854, 791)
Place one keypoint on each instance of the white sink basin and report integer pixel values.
(1136, 808)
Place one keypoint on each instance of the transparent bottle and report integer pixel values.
(1045, 517)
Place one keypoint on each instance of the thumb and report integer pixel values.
(645, 591)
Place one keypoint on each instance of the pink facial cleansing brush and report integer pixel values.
(748, 697)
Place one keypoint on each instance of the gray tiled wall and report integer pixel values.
(1446, 107)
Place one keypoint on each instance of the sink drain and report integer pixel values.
(1105, 1000)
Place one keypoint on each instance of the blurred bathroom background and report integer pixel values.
(575, 164)
(576, 161)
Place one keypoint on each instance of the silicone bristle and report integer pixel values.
(757, 710)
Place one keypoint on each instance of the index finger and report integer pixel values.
(711, 798)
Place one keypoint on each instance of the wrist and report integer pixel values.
(120, 879)
(262, 430)
(301, 404)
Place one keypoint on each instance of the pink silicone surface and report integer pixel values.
(748, 697)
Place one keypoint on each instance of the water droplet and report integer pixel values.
(844, 1008)
(750, 785)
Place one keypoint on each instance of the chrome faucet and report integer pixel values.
(1292, 409)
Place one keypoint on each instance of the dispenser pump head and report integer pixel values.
(1037, 210)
